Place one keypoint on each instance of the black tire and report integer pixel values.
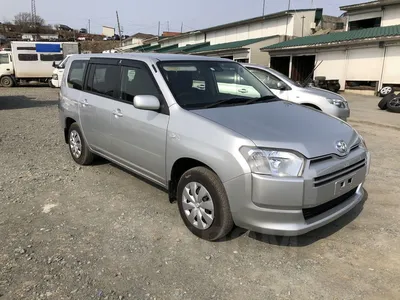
(7, 81)
(384, 101)
(222, 223)
(387, 90)
(86, 157)
(393, 104)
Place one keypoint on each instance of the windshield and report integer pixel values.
(284, 77)
(201, 84)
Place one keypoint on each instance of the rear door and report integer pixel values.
(100, 90)
(138, 137)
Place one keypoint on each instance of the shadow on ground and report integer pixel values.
(19, 102)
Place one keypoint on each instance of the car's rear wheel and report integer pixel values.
(78, 147)
(7, 81)
(203, 204)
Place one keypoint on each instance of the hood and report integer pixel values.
(322, 93)
(284, 125)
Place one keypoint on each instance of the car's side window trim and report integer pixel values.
(142, 65)
(92, 63)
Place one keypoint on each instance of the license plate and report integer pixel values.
(344, 185)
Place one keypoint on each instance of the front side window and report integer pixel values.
(27, 57)
(4, 59)
(76, 74)
(202, 84)
(104, 80)
(137, 81)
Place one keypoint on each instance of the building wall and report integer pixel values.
(333, 65)
(391, 15)
(262, 58)
(365, 64)
(298, 22)
(249, 31)
(107, 31)
(183, 41)
(392, 63)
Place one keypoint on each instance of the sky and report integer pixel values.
(144, 15)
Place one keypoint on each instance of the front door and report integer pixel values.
(96, 103)
(138, 137)
(6, 67)
(271, 81)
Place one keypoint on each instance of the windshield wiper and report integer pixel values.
(268, 98)
(227, 101)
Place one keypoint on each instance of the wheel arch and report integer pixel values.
(68, 122)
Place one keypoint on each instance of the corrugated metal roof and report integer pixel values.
(338, 37)
(227, 46)
(191, 47)
(148, 49)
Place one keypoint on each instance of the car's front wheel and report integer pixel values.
(78, 147)
(203, 204)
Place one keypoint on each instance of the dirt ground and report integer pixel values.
(98, 232)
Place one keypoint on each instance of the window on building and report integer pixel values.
(367, 23)
(4, 59)
(137, 81)
(51, 57)
(76, 74)
(104, 80)
(27, 57)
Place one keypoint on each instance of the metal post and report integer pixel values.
(89, 25)
(287, 20)
(119, 29)
(302, 26)
(263, 8)
(158, 34)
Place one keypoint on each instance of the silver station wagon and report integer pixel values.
(255, 161)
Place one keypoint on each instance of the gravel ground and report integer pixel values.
(70, 232)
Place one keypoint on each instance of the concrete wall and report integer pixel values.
(391, 15)
(262, 58)
(308, 20)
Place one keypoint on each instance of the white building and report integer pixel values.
(363, 58)
(108, 31)
(242, 40)
(135, 40)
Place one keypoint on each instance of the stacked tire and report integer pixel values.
(390, 102)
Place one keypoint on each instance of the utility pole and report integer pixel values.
(158, 34)
(302, 26)
(263, 8)
(119, 29)
(287, 20)
(89, 26)
(34, 21)
(168, 26)
(182, 27)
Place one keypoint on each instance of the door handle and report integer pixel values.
(7, 69)
(117, 113)
(85, 103)
(242, 91)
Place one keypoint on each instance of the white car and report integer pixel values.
(58, 72)
(286, 89)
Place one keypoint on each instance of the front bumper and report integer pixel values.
(291, 207)
(341, 113)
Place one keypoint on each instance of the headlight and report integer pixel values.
(338, 102)
(273, 162)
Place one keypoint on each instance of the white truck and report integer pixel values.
(32, 61)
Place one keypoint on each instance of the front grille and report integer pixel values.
(324, 179)
(309, 213)
(328, 157)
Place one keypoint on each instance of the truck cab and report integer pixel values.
(6, 69)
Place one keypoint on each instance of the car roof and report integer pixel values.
(153, 56)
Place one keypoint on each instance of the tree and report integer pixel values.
(25, 22)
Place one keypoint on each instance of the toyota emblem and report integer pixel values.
(341, 146)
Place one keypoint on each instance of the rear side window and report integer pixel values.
(104, 80)
(51, 57)
(27, 57)
(268, 79)
(137, 81)
(76, 74)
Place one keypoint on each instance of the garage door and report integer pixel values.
(365, 64)
(332, 66)
(391, 73)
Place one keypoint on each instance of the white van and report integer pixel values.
(287, 89)
(58, 72)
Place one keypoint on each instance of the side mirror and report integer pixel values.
(146, 102)
(281, 86)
